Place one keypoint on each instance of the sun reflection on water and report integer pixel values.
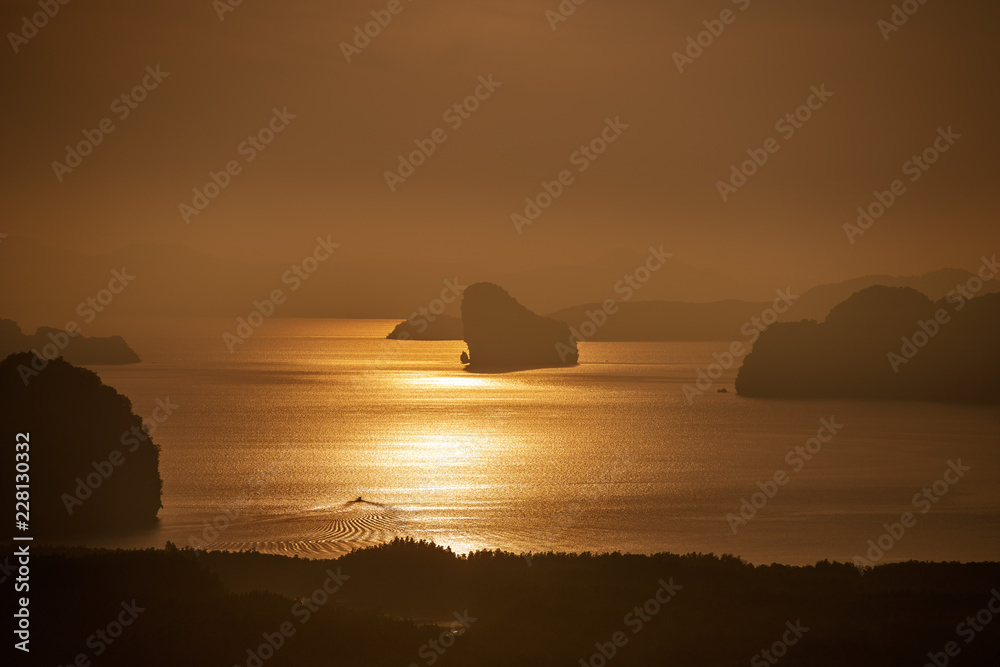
(437, 450)
(451, 381)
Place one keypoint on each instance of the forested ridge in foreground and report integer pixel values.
(414, 603)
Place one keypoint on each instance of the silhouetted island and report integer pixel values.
(93, 467)
(73, 347)
(501, 333)
(443, 327)
(883, 342)
(725, 320)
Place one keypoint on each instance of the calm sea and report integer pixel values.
(268, 445)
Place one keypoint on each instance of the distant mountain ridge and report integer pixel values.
(818, 301)
(725, 320)
(175, 280)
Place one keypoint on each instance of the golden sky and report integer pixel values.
(655, 184)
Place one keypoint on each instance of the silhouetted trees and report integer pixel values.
(551, 609)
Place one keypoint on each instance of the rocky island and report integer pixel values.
(501, 333)
(93, 465)
(883, 342)
(74, 348)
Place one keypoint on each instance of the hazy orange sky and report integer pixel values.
(656, 184)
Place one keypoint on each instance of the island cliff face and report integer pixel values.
(882, 342)
(93, 468)
(500, 332)
(74, 348)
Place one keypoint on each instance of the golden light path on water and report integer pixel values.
(272, 447)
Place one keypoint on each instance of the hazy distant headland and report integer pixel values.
(721, 320)
(633, 321)
(93, 466)
(883, 342)
(71, 345)
(443, 327)
(501, 333)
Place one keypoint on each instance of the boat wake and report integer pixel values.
(321, 532)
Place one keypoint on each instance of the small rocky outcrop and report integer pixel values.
(442, 327)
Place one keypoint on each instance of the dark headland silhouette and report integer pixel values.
(501, 333)
(93, 467)
(443, 327)
(883, 342)
(73, 347)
